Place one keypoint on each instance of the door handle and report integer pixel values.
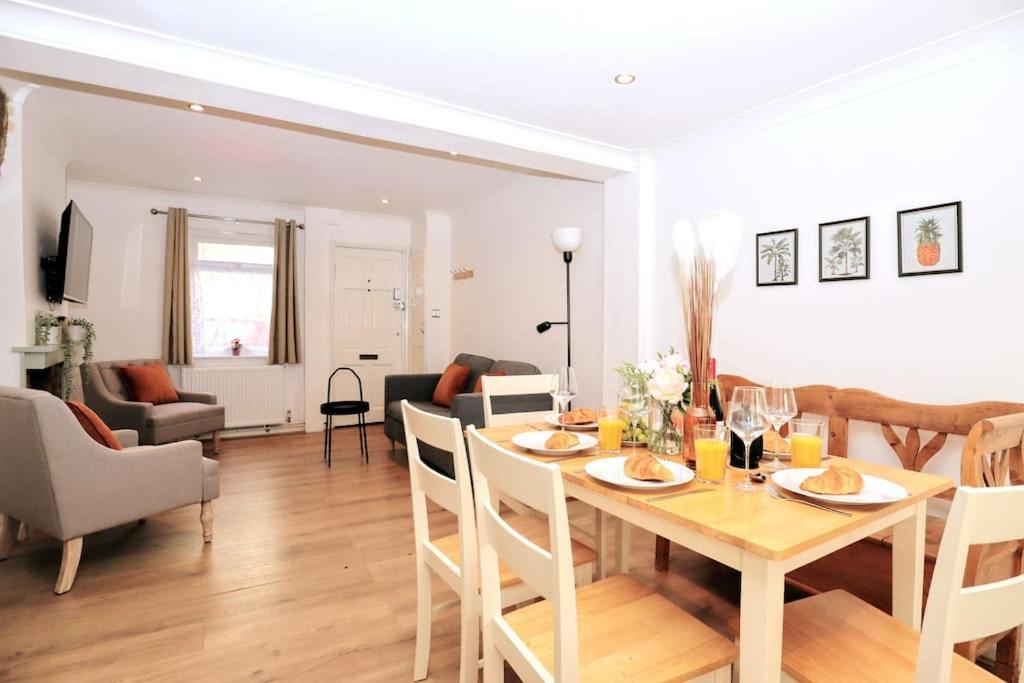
(368, 356)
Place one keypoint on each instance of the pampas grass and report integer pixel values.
(705, 257)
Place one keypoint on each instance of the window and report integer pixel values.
(232, 281)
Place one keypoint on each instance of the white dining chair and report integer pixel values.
(515, 385)
(835, 636)
(443, 556)
(617, 629)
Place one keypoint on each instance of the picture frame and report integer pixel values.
(930, 240)
(844, 250)
(777, 258)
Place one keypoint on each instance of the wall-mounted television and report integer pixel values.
(67, 273)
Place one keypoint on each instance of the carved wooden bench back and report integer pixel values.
(843, 405)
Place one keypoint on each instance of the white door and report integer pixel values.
(368, 323)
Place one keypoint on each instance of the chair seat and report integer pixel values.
(627, 632)
(344, 408)
(533, 528)
(837, 637)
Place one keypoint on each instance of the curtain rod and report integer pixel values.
(301, 226)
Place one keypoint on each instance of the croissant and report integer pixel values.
(578, 416)
(836, 480)
(562, 440)
(646, 467)
(773, 443)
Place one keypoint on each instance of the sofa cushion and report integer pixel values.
(149, 384)
(477, 365)
(452, 382)
(167, 414)
(96, 428)
(513, 367)
(394, 409)
(112, 378)
(479, 386)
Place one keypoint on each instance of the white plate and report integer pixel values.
(612, 471)
(875, 490)
(585, 427)
(534, 441)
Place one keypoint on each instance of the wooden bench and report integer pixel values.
(864, 569)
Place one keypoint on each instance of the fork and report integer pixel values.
(778, 496)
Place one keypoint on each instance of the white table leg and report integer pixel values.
(908, 568)
(623, 545)
(601, 542)
(761, 602)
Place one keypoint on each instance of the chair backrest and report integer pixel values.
(514, 385)
(359, 381)
(106, 373)
(843, 405)
(956, 614)
(501, 474)
(456, 495)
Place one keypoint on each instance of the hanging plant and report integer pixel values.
(87, 339)
(43, 322)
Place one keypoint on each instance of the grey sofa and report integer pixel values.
(193, 415)
(468, 407)
(55, 478)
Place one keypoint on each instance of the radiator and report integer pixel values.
(252, 396)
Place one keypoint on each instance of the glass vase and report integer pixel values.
(699, 412)
(665, 438)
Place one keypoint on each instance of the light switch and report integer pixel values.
(435, 312)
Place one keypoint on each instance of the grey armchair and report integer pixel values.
(55, 478)
(193, 415)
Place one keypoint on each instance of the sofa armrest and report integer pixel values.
(128, 438)
(469, 408)
(197, 397)
(410, 387)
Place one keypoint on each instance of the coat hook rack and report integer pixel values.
(462, 273)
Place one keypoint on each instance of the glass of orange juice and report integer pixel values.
(610, 425)
(805, 442)
(712, 452)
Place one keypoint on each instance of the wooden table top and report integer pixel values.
(755, 522)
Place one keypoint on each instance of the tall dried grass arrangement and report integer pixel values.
(704, 257)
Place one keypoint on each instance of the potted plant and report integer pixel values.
(47, 329)
(236, 347)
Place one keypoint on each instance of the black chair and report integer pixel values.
(332, 408)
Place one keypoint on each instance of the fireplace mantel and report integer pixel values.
(38, 358)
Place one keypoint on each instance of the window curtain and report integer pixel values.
(177, 334)
(285, 327)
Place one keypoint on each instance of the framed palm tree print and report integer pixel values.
(844, 250)
(777, 258)
(930, 240)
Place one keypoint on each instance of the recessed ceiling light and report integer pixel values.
(196, 107)
(197, 178)
(454, 153)
(624, 78)
(385, 201)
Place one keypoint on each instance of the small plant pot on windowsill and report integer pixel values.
(236, 352)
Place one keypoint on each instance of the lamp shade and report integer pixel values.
(567, 239)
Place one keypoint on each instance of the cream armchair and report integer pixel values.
(56, 479)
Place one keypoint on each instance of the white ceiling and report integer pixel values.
(129, 143)
(550, 64)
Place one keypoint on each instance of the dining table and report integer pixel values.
(759, 535)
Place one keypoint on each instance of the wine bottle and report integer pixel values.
(714, 399)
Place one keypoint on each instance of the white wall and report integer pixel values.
(437, 290)
(127, 278)
(324, 229)
(519, 281)
(952, 135)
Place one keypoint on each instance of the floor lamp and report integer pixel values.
(565, 240)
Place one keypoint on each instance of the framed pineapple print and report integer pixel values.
(844, 250)
(777, 258)
(930, 240)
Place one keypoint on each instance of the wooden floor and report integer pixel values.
(310, 577)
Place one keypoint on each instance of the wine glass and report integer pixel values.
(781, 409)
(634, 404)
(563, 390)
(748, 419)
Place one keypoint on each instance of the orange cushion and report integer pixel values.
(93, 425)
(452, 382)
(149, 383)
(480, 380)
